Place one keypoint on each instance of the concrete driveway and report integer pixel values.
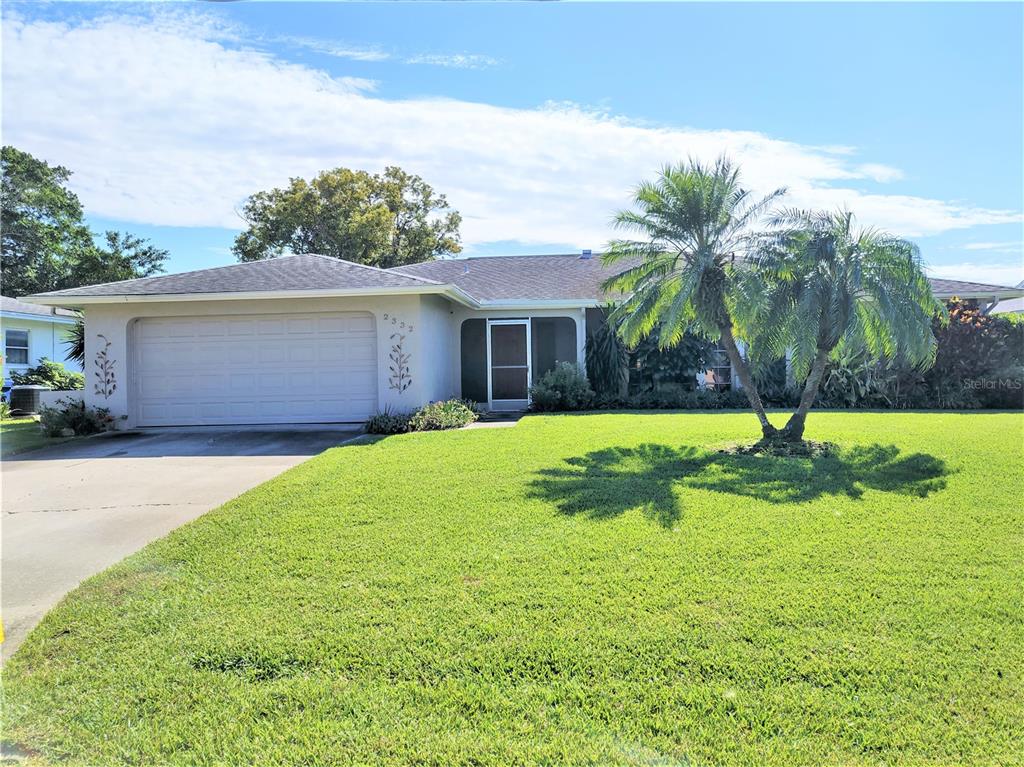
(73, 510)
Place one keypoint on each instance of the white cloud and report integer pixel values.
(881, 173)
(167, 119)
(997, 247)
(1009, 274)
(336, 49)
(453, 60)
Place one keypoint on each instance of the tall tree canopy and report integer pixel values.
(41, 223)
(692, 225)
(46, 244)
(381, 220)
(122, 256)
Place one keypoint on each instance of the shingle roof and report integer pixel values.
(519, 278)
(943, 288)
(485, 279)
(13, 305)
(491, 278)
(303, 272)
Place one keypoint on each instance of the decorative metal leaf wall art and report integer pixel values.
(106, 383)
(401, 375)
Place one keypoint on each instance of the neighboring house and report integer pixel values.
(1013, 306)
(988, 298)
(311, 339)
(31, 332)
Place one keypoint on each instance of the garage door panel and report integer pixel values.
(335, 325)
(204, 355)
(362, 352)
(304, 326)
(241, 327)
(332, 354)
(361, 324)
(210, 383)
(210, 329)
(302, 353)
(311, 368)
(271, 327)
(272, 353)
(239, 353)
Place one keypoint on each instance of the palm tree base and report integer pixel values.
(784, 448)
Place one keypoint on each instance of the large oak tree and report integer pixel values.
(382, 220)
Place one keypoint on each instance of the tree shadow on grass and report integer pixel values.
(606, 483)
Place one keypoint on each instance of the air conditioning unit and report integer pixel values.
(25, 399)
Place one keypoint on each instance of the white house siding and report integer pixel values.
(399, 316)
(461, 314)
(45, 339)
(440, 337)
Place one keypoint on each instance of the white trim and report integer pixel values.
(509, 305)
(59, 319)
(581, 341)
(27, 348)
(511, 404)
(995, 295)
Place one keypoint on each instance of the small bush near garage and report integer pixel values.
(387, 421)
(74, 419)
(563, 388)
(449, 414)
(51, 374)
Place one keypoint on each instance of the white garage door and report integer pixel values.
(286, 368)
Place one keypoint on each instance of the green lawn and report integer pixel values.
(20, 434)
(596, 589)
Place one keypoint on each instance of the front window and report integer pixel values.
(718, 375)
(16, 347)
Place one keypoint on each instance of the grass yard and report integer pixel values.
(20, 434)
(595, 589)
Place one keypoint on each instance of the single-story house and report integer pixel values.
(31, 332)
(312, 339)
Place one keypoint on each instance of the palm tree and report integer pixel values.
(819, 286)
(75, 343)
(695, 225)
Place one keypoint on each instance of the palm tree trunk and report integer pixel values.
(794, 429)
(746, 381)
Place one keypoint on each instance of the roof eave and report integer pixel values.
(559, 303)
(978, 294)
(61, 319)
(449, 291)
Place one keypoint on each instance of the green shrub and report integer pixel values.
(979, 364)
(51, 374)
(5, 410)
(448, 414)
(1000, 389)
(75, 416)
(699, 399)
(562, 388)
(387, 421)
(652, 368)
(607, 359)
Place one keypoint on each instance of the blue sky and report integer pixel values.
(535, 119)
